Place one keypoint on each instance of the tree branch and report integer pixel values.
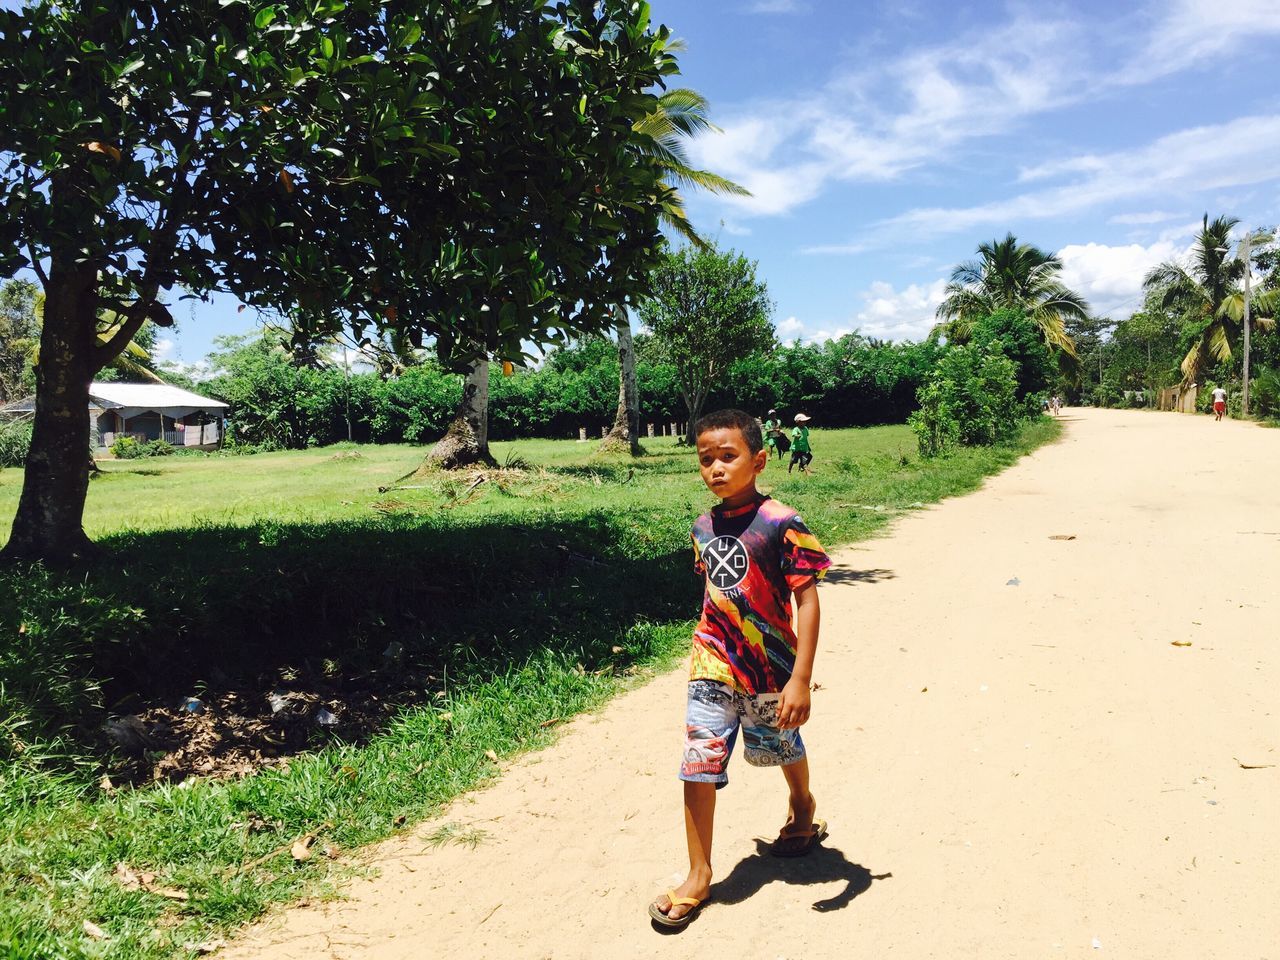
(134, 318)
(37, 268)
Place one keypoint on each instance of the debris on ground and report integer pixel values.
(1180, 643)
(1062, 536)
(1015, 582)
(237, 732)
(1252, 766)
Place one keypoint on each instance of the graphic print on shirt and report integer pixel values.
(727, 562)
(745, 637)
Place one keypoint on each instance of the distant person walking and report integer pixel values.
(801, 452)
(774, 441)
(1219, 403)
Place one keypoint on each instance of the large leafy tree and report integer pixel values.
(707, 310)
(1209, 293)
(1008, 275)
(459, 171)
(662, 139)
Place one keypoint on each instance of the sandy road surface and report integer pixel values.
(1008, 771)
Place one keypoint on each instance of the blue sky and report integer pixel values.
(884, 140)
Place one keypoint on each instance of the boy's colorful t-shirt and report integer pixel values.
(753, 558)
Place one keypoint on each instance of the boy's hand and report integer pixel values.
(793, 705)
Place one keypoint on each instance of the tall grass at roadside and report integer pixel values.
(519, 595)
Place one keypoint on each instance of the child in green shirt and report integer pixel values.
(801, 453)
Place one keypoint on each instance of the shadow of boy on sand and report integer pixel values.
(824, 865)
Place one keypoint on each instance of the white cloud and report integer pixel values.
(1110, 278)
(891, 314)
(789, 329)
(820, 335)
(1144, 219)
(735, 229)
(920, 107)
(1237, 153)
(838, 249)
(1192, 32)
(776, 6)
(875, 125)
(165, 349)
(198, 371)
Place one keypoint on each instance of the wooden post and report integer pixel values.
(582, 434)
(651, 429)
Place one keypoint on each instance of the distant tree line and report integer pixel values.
(281, 400)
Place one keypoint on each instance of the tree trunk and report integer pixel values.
(695, 405)
(626, 423)
(466, 442)
(49, 523)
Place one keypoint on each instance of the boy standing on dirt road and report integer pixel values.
(750, 670)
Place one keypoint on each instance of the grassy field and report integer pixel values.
(479, 615)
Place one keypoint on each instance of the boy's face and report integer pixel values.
(729, 468)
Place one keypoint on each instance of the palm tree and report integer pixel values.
(1011, 275)
(1209, 293)
(681, 115)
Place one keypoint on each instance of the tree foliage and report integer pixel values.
(1009, 275)
(970, 398)
(462, 171)
(1208, 293)
(707, 310)
(19, 338)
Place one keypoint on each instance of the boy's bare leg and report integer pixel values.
(800, 805)
(699, 817)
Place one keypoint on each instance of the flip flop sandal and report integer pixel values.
(693, 903)
(791, 844)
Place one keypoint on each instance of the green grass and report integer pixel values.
(538, 594)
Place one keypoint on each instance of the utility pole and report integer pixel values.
(1244, 394)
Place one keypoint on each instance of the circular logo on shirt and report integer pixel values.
(727, 562)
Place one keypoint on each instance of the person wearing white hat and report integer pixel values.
(773, 433)
(801, 453)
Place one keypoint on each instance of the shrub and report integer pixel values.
(1106, 395)
(15, 441)
(934, 424)
(130, 448)
(970, 398)
(127, 448)
(1265, 393)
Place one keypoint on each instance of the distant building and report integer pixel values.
(145, 411)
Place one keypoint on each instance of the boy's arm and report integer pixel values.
(793, 705)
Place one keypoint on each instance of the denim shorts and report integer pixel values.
(715, 713)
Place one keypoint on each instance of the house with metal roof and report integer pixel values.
(145, 411)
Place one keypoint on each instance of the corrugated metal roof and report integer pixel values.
(134, 396)
(150, 396)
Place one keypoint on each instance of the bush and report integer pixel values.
(1106, 395)
(971, 397)
(130, 448)
(1265, 393)
(15, 441)
(126, 448)
(934, 424)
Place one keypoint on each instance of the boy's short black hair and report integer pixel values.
(729, 419)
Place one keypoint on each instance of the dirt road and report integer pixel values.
(1015, 758)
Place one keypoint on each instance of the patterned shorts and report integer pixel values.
(714, 715)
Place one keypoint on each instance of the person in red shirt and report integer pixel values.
(751, 670)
